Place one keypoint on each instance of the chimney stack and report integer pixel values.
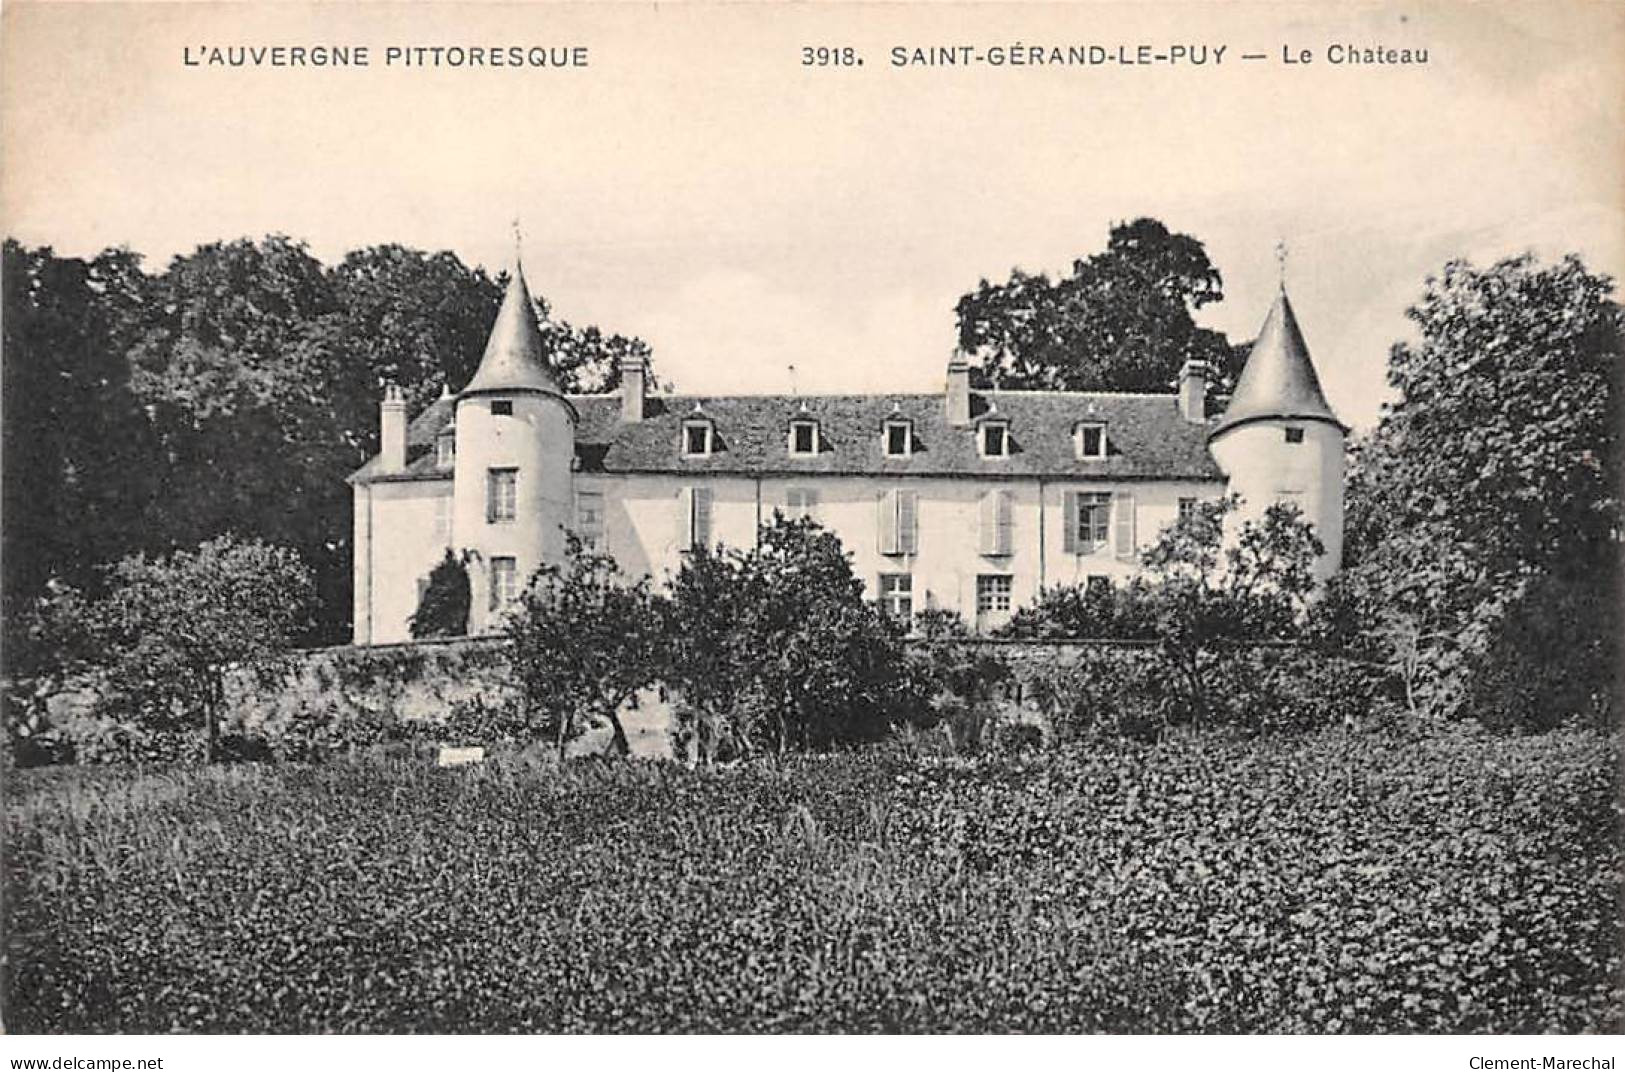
(392, 430)
(634, 383)
(958, 390)
(1193, 391)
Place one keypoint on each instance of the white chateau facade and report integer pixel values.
(966, 500)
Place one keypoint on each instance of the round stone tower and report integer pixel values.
(1279, 441)
(512, 478)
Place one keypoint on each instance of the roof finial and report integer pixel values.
(792, 371)
(1280, 260)
(518, 242)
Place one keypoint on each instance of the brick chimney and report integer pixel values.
(958, 390)
(634, 384)
(392, 430)
(1193, 391)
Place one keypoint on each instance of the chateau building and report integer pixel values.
(964, 499)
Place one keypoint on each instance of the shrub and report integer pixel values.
(174, 625)
(775, 649)
(443, 607)
(1554, 658)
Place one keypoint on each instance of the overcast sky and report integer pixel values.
(696, 186)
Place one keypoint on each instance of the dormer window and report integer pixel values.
(698, 438)
(1091, 439)
(804, 437)
(502, 407)
(445, 451)
(993, 439)
(897, 439)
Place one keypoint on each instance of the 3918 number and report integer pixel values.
(836, 56)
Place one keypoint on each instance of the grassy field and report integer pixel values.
(1342, 882)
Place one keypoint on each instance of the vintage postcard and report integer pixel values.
(1067, 519)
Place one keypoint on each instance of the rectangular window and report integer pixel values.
(697, 439)
(996, 509)
(1091, 440)
(897, 595)
(501, 494)
(1294, 435)
(899, 522)
(995, 441)
(992, 598)
(1187, 509)
(442, 517)
(804, 437)
(590, 517)
(1088, 521)
(693, 518)
(501, 407)
(504, 581)
(801, 502)
(897, 440)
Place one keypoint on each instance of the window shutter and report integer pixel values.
(685, 519)
(1069, 538)
(1003, 519)
(908, 535)
(1123, 523)
(702, 517)
(990, 523)
(887, 522)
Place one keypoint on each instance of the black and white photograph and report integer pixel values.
(905, 519)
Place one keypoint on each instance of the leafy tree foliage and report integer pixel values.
(1122, 321)
(232, 392)
(406, 317)
(775, 649)
(443, 609)
(171, 626)
(1081, 612)
(1207, 591)
(1494, 480)
(79, 458)
(585, 642)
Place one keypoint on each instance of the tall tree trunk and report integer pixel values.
(622, 746)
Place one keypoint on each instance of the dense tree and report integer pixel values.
(1122, 321)
(415, 319)
(1495, 475)
(171, 627)
(1210, 587)
(775, 649)
(79, 460)
(585, 641)
(232, 392)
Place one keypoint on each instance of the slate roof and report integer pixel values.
(1147, 438)
(1278, 381)
(514, 358)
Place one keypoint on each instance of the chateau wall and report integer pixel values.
(427, 680)
(401, 533)
(641, 515)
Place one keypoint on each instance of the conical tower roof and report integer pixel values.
(514, 358)
(1279, 381)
